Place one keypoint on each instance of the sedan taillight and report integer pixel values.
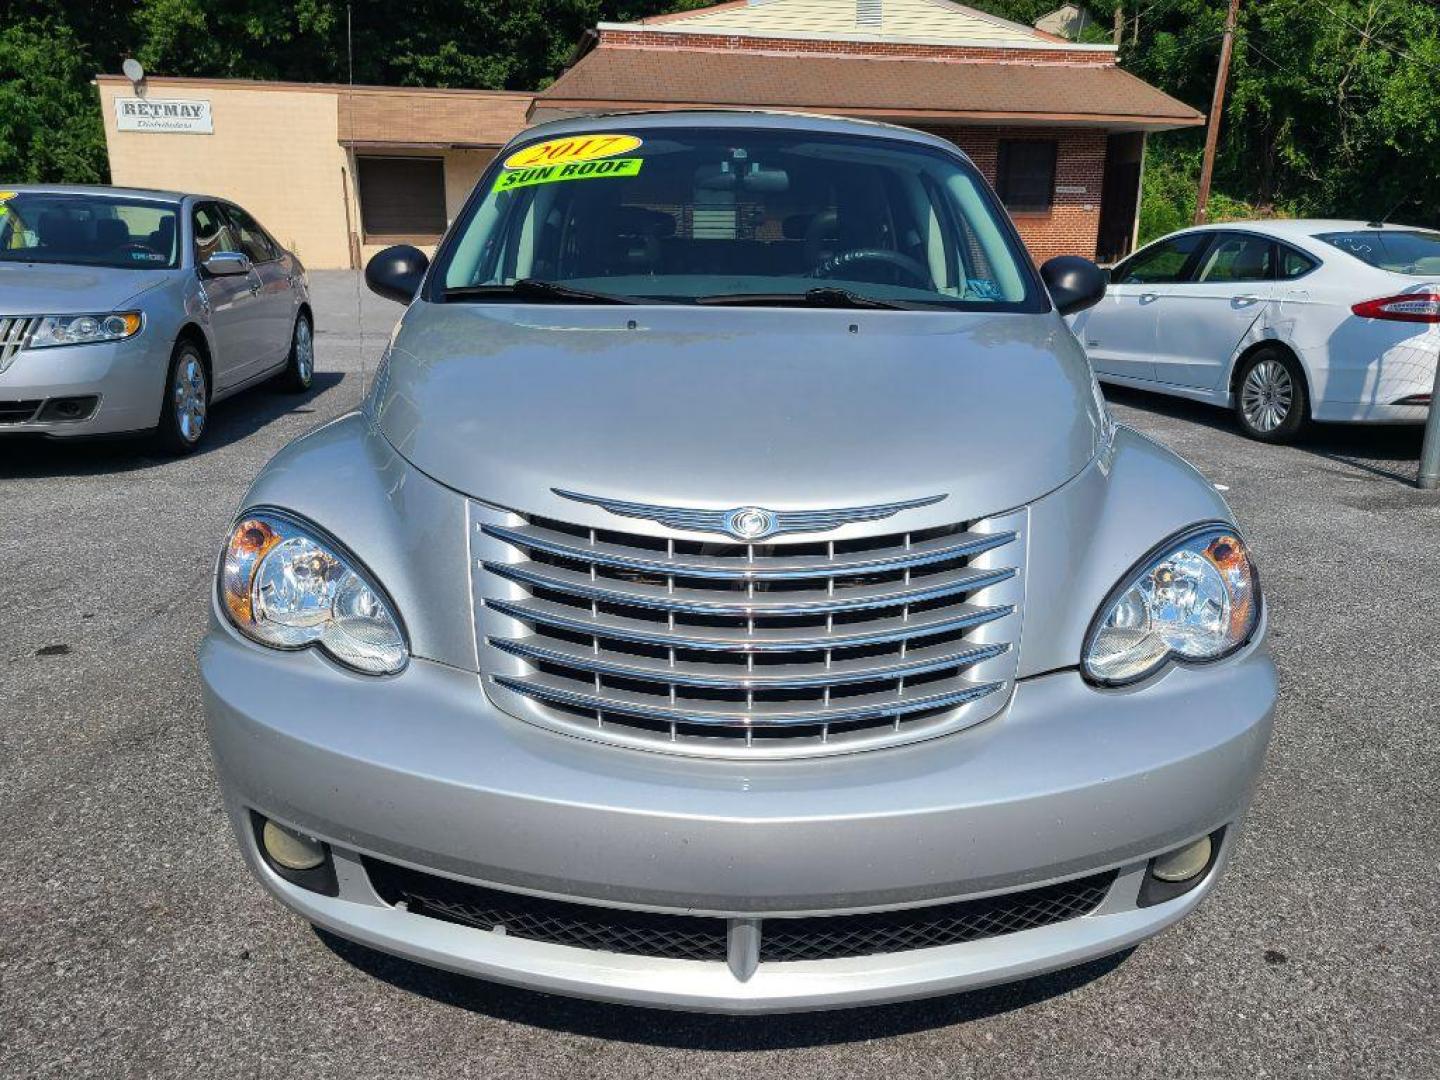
(1407, 307)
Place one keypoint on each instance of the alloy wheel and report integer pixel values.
(188, 393)
(1267, 395)
(304, 350)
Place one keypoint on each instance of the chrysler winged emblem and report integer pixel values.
(749, 522)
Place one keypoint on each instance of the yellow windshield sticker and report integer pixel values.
(575, 170)
(572, 148)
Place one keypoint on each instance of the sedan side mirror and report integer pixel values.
(1074, 283)
(226, 264)
(396, 272)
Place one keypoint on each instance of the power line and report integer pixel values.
(1365, 33)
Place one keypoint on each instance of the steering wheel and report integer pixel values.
(843, 260)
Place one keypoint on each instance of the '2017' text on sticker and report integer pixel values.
(575, 170)
(572, 148)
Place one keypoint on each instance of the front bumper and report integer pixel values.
(127, 376)
(421, 771)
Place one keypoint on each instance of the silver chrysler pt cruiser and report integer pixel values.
(734, 596)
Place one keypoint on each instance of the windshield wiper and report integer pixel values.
(544, 291)
(821, 296)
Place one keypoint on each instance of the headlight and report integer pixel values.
(285, 586)
(1196, 599)
(84, 329)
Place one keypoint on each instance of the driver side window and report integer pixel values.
(212, 233)
(254, 240)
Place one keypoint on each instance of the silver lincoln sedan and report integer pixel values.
(733, 595)
(126, 310)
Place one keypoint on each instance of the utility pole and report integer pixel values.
(1429, 478)
(1217, 107)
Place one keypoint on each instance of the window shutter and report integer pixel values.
(401, 196)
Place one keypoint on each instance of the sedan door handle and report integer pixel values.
(1149, 297)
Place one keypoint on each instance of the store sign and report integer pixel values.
(148, 114)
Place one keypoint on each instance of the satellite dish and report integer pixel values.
(133, 69)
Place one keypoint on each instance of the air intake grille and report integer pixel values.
(767, 649)
(699, 937)
(828, 937)
(14, 332)
(580, 926)
(17, 412)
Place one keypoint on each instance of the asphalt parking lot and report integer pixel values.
(134, 943)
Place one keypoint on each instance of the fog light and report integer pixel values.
(290, 849)
(1184, 864)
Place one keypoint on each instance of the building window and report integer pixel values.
(1025, 174)
(401, 196)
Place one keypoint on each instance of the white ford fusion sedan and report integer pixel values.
(1282, 321)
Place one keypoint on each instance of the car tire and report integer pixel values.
(185, 407)
(299, 371)
(1272, 403)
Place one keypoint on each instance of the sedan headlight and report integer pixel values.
(84, 329)
(1196, 598)
(285, 585)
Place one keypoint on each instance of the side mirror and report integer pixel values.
(226, 264)
(396, 272)
(1074, 283)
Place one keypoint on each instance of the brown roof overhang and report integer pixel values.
(402, 117)
(616, 78)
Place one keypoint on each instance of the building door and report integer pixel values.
(1119, 196)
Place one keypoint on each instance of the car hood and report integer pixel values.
(726, 407)
(51, 289)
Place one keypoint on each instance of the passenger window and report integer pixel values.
(1294, 264)
(1163, 263)
(212, 233)
(1238, 257)
(254, 240)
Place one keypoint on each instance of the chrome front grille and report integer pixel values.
(696, 645)
(14, 333)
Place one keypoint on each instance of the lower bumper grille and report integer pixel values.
(696, 937)
(831, 936)
(580, 926)
(17, 412)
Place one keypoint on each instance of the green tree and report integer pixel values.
(49, 113)
(1330, 112)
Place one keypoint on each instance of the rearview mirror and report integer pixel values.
(226, 263)
(1074, 283)
(396, 272)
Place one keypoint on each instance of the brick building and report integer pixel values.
(1057, 127)
(339, 172)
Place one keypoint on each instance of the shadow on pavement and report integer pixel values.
(1371, 448)
(704, 1031)
(231, 420)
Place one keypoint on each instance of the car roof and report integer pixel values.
(155, 194)
(765, 119)
(1301, 228)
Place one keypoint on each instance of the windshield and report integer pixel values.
(87, 230)
(1405, 252)
(730, 215)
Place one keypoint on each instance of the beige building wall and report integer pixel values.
(275, 152)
